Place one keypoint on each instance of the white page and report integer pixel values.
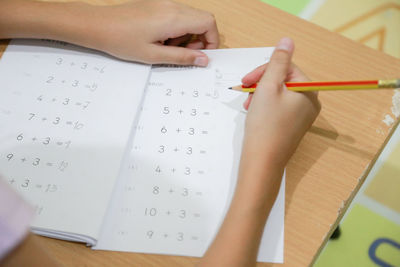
(66, 114)
(181, 172)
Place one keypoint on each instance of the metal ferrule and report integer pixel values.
(395, 83)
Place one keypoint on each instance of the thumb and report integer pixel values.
(279, 65)
(177, 55)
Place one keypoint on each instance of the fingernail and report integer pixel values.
(285, 44)
(201, 61)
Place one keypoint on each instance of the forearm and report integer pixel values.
(34, 19)
(238, 239)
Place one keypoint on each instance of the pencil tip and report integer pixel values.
(230, 88)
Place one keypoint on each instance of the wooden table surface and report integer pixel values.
(331, 161)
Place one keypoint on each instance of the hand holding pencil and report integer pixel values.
(278, 118)
(276, 121)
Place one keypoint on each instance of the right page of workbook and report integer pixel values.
(177, 182)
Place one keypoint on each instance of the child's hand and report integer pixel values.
(151, 31)
(277, 118)
(276, 122)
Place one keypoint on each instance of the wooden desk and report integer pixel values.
(330, 162)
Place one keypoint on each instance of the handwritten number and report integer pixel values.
(179, 236)
(50, 79)
(20, 137)
(46, 141)
(166, 110)
(187, 171)
(150, 212)
(36, 162)
(62, 166)
(182, 214)
(31, 116)
(86, 104)
(25, 183)
(57, 120)
(156, 190)
(185, 192)
(158, 169)
(150, 234)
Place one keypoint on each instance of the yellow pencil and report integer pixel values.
(330, 85)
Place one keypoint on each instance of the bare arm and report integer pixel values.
(239, 237)
(276, 122)
(149, 31)
(35, 19)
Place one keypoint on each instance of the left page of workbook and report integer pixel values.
(66, 115)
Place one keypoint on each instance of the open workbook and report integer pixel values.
(126, 156)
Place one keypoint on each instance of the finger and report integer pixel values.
(198, 22)
(280, 63)
(176, 55)
(204, 25)
(247, 102)
(211, 34)
(208, 43)
(254, 76)
(297, 75)
(196, 44)
(212, 38)
(202, 39)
